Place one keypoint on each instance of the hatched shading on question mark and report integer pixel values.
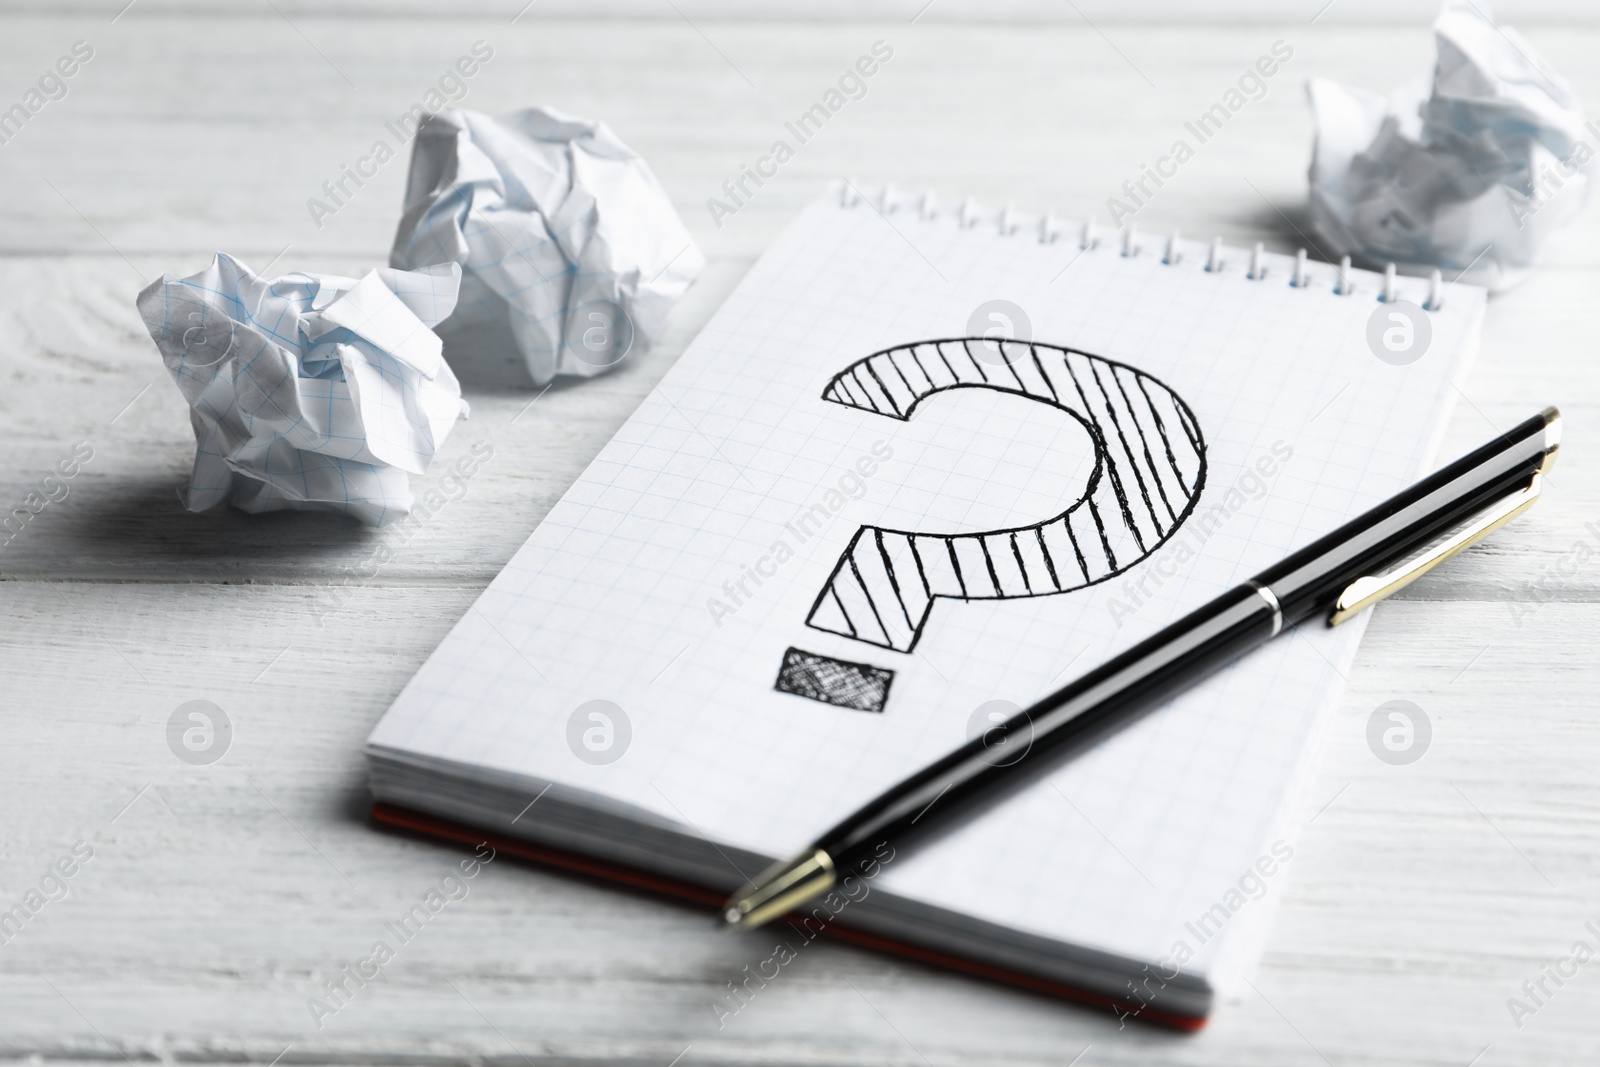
(1149, 469)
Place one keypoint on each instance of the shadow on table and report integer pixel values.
(1287, 227)
(138, 528)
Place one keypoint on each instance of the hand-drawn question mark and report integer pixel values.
(1150, 466)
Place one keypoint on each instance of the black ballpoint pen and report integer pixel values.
(1338, 575)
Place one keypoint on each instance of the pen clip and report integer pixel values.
(1371, 588)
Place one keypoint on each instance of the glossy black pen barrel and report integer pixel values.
(1306, 583)
(1062, 724)
(1337, 576)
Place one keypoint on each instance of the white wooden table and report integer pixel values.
(220, 897)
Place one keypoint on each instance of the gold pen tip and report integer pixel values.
(779, 888)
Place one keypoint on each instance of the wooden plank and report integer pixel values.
(86, 371)
(1109, 11)
(145, 160)
(222, 896)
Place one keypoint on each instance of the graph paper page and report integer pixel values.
(700, 547)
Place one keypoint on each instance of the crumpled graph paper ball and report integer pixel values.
(1471, 174)
(571, 254)
(308, 391)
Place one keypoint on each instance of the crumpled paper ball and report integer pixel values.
(571, 254)
(1472, 174)
(308, 391)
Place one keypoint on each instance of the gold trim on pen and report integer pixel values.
(1369, 589)
(780, 888)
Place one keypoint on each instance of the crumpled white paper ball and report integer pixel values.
(1472, 174)
(308, 391)
(571, 254)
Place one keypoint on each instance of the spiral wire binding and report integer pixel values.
(1009, 224)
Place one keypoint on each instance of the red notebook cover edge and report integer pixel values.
(408, 819)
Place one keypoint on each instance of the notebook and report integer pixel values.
(925, 464)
